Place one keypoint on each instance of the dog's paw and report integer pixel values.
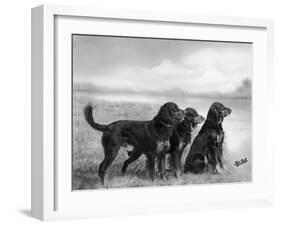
(163, 177)
(224, 168)
(177, 173)
(218, 169)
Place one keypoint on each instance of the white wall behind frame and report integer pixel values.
(15, 103)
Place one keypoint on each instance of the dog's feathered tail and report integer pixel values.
(88, 114)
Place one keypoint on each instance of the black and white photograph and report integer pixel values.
(160, 112)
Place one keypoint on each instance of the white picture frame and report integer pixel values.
(52, 197)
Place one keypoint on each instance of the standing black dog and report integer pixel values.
(181, 137)
(152, 137)
(207, 147)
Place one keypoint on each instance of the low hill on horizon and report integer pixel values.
(243, 91)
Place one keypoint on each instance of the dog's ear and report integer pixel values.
(190, 112)
(193, 117)
(188, 115)
(164, 115)
(214, 114)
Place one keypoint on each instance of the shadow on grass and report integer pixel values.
(25, 212)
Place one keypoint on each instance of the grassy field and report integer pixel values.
(88, 152)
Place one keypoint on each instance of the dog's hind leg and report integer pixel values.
(135, 154)
(106, 163)
(111, 150)
(195, 164)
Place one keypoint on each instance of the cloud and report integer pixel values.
(164, 76)
(153, 65)
(192, 74)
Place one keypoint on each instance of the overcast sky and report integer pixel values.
(156, 64)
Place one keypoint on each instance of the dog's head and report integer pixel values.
(169, 114)
(217, 112)
(192, 116)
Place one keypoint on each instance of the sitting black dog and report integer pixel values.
(148, 137)
(207, 148)
(181, 137)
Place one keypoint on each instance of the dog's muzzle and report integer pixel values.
(180, 115)
(226, 112)
(199, 119)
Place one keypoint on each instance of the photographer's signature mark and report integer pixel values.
(240, 162)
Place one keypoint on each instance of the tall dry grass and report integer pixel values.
(87, 150)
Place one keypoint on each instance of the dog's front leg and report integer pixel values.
(176, 158)
(162, 169)
(212, 158)
(151, 165)
(220, 157)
